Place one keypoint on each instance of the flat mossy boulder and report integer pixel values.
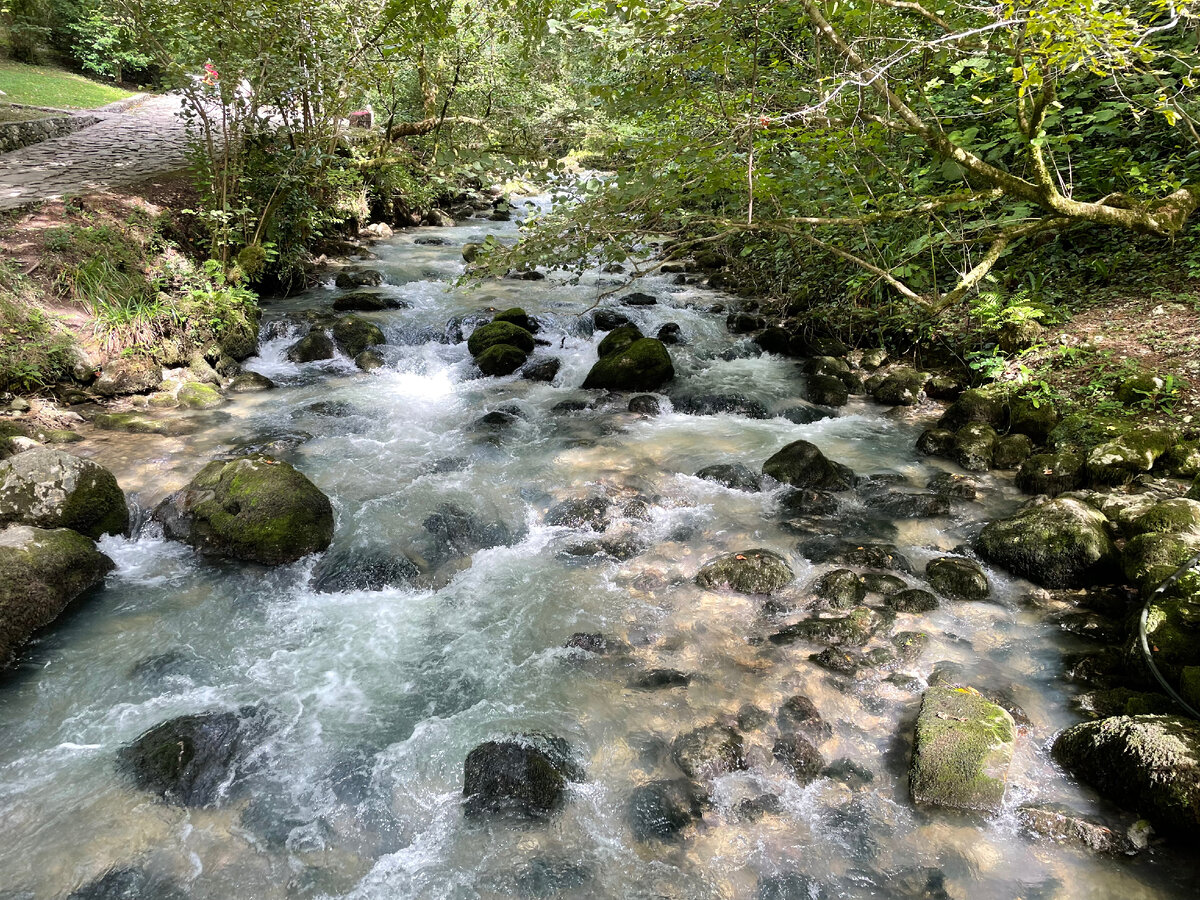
(803, 465)
(826, 390)
(754, 571)
(523, 775)
(250, 382)
(1172, 516)
(1148, 764)
(619, 340)
(644, 365)
(253, 508)
(52, 489)
(982, 405)
(1181, 461)
(958, 578)
(42, 571)
(1058, 544)
(1173, 627)
(140, 423)
(1150, 558)
(902, 387)
(194, 760)
(134, 375)
(501, 359)
(194, 395)
(353, 335)
(499, 333)
(1051, 473)
(1133, 453)
(962, 750)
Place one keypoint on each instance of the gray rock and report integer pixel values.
(755, 571)
(52, 489)
(660, 810)
(803, 465)
(731, 475)
(1062, 543)
(708, 751)
(958, 578)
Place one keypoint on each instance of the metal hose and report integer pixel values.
(1174, 577)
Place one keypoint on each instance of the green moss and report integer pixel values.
(199, 396)
(97, 505)
(619, 340)
(501, 359)
(1181, 461)
(1150, 558)
(516, 316)
(1169, 517)
(754, 571)
(644, 365)
(1034, 418)
(974, 445)
(499, 333)
(354, 335)
(988, 406)
(1189, 685)
(1062, 543)
(1133, 453)
(138, 423)
(962, 750)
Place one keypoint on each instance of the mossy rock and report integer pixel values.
(353, 335)
(501, 359)
(754, 571)
(1082, 431)
(370, 360)
(1140, 390)
(1169, 517)
(42, 571)
(134, 375)
(1011, 450)
(901, 387)
(803, 465)
(524, 776)
(162, 400)
(1016, 337)
(1102, 704)
(841, 588)
(1058, 544)
(982, 405)
(517, 316)
(619, 340)
(252, 508)
(313, 347)
(52, 489)
(643, 366)
(1035, 419)
(1149, 559)
(1189, 685)
(851, 630)
(1194, 491)
(1181, 461)
(199, 396)
(958, 578)
(1133, 453)
(974, 445)
(962, 750)
(140, 423)
(499, 333)
(1051, 473)
(936, 442)
(250, 382)
(1173, 627)
(709, 751)
(59, 436)
(826, 390)
(1148, 764)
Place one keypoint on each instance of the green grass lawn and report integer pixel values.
(47, 86)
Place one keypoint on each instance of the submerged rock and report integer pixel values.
(524, 775)
(362, 570)
(129, 883)
(1064, 826)
(587, 512)
(841, 588)
(731, 475)
(194, 760)
(913, 600)
(803, 465)
(42, 571)
(52, 489)
(644, 405)
(962, 750)
(718, 404)
(660, 810)
(1062, 543)
(755, 571)
(253, 508)
(708, 751)
(958, 578)
(801, 758)
(249, 382)
(644, 365)
(1148, 764)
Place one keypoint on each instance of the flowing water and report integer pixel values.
(378, 696)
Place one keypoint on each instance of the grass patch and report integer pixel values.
(34, 350)
(10, 114)
(48, 86)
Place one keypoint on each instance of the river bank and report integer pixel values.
(637, 573)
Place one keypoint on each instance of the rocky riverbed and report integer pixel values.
(536, 588)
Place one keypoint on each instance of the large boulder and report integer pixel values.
(133, 375)
(748, 572)
(619, 340)
(976, 405)
(1062, 543)
(1133, 453)
(41, 572)
(644, 365)
(194, 760)
(313, 347)
(501, 359)
(253, 508)
(523, 775)
(803, 465)
(1149, 764)
(826, 390)
(962, 750)
(958, 577)
(53, 489)
(973, 446)
(494, 333)
(353, 335)
(902, 387)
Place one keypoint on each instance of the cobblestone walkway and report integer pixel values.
(144, 138)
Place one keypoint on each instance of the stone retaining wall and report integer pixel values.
(15, 135)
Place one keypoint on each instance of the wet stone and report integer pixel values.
(591, 512)
(883, 583)
(708, 751)
(958, 578)
(841, 588)
(732, 475)
(800, 714)
(840, 661)
(129, 883)
(644, 405)
(661, 810)
(952, 486)
(829, 549)
(519, 776)
(657, 679)
(752, 718)
(754, 571)
(799, 756)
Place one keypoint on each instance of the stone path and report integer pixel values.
(132, 141)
